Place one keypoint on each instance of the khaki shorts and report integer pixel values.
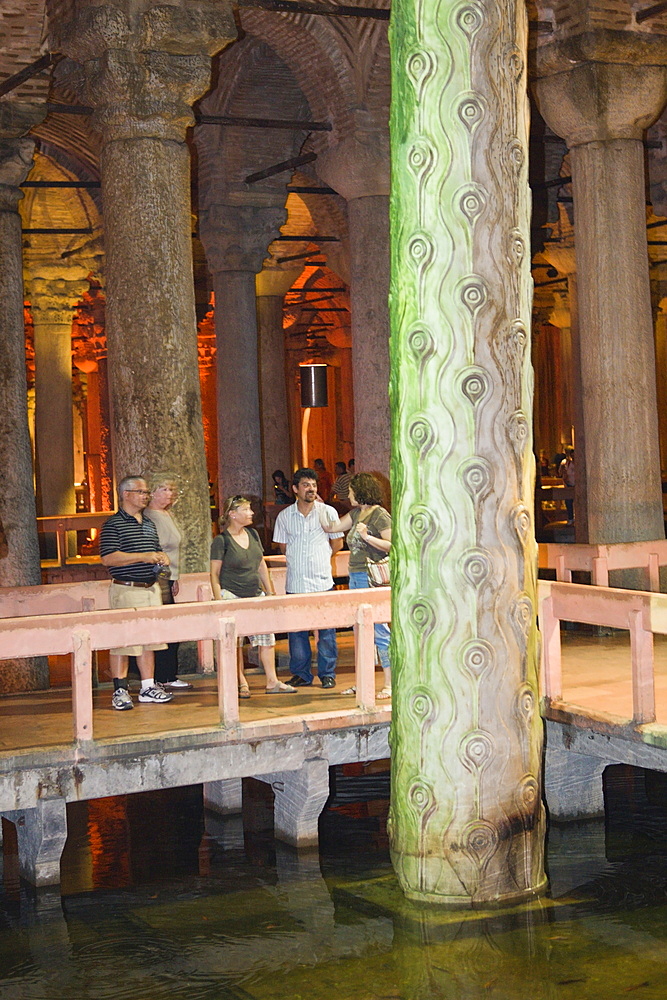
(135, 597)
(261, 639)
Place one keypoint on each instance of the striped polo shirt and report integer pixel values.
(123, 533)
(308, 551)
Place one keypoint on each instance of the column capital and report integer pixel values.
(15, 165)
(145, 63)
(357, 166)
(53, 299)
(237, 237)
(587, 90)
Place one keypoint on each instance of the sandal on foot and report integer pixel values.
(351, 690)
(384, 694)
(244, 691)
(281, 688)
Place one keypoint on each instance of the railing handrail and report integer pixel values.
(641, 613)
(80, 633)
(599, 560)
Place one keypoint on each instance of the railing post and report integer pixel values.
(643, 681)
(654, 572)
(228, 692)
(82, 684)
(563, 575)
(600, 574)
(205, 646)
(364, 657)
(552, 675)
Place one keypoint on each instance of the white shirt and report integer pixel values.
(307, 548)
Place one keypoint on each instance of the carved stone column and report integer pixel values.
(236, 240)
(601, 108)
(358, 169)
(661, 376)
(271, 286)
(466, 820)
(20, 567)
(19, 561)
(145, 63)
(52, 301)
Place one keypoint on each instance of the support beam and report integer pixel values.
(41, 833)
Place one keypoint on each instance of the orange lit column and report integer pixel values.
(52, 302)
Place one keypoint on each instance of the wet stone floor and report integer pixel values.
(160, 900)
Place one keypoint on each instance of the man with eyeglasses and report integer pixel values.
(130, 548)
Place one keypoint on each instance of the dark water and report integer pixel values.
(160, 900)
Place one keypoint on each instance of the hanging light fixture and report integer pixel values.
(314, 390)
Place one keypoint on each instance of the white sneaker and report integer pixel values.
(121, 700)
(156, 694)
(177, 685)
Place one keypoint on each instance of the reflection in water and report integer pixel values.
(162, 900)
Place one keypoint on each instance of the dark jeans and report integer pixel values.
(166, 660)
(301, 656)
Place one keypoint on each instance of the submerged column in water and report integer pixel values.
(466, 820)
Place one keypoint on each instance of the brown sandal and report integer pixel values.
(244, 691)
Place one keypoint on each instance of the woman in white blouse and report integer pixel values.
(164, 493)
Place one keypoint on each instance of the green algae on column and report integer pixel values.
(466, 820)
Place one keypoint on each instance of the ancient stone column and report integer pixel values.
(661, 376)
(271, 286)
(358, 169)
(601, 109)
(19, 556)
(52, 303)
(20, 567)
(466, 820)
(142, 75)
(236, 240)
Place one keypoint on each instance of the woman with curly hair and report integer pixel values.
(369, 540)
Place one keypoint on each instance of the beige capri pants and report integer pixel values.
(135, 597)
(262, 638)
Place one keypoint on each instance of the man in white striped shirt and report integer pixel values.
(308, 549)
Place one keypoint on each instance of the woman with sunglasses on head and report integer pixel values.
(369, 540)
(238, 569)
(164, 494)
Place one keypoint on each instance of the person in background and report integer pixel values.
(544, 463)
(369, 539)
(308, 549)
(566, 473)
(130, 548)
(341, 487)
(281, 490)
(238, 569)
(350, 466)
(324, 480)
(164, 494)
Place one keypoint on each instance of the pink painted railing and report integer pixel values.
(80, 634)
(598, 560)
(642, 614)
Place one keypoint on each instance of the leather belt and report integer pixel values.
(133, 583)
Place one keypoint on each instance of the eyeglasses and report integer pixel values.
(145, 493)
